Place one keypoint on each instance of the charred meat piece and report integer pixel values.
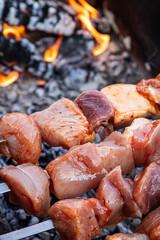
(96, 107)
(75, 219)
(147, 188)
(116, 151)
(22, 138)
(150, 88)
(128, 103)
(123, 236)
(143, 135)
(63, 124)
(29, 186)
(151, 225)
(76, 172)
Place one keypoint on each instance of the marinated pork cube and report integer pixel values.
(115, 151)
(151, 225)
(143, 135)
(128, 103)
(63, 124)
(147, 188)
(76, 172)
(22, 138)
(29, 186)
(77, 219)
(96, 107)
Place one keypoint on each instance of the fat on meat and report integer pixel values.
(76, 172)
(128, 103)
(29, 186)
(96, 107)
(123, 236)
(115, 151)
(147, 188)
(151, 225)
(22, 138)
(76, 219)
(63, 124)
(143, 135)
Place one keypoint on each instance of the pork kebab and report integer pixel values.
(116, 199)
(83, 167)
(66, 123)
(149, 229)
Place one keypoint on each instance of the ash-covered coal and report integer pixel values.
(48, 16)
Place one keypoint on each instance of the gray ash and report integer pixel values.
(75, 70)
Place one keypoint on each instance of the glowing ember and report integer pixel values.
(9, 79)
(41, 82)
(85, 12)
(15, 31)
(51, 54)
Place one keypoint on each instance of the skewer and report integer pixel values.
(28, 231)
(4, 188)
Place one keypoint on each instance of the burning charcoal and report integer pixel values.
(14, 51)
(48, 16)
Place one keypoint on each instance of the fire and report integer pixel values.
(85, 12)
(51, 54)
(15, 31)
(9, 79)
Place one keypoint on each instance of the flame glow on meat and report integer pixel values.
(85, 11)
(51, 54)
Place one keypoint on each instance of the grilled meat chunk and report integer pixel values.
(150, 88)
(22, 138)
(123, 236)
(96, 107)
(63, 124)
(29, 186)
(128, 103)
(143, 135)
(147, 188)
(151, 225)
(116, 151)
(114, 202)
(116, 194)
(76, 172)
(76, 219)
(83, 167)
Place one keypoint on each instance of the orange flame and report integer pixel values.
(85, 11)
(9, 79)
(15, 31)
(51, 54)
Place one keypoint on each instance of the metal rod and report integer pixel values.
(4, 188)
(28, 231)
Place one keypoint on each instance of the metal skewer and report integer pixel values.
(4, 188)
(28, 231)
